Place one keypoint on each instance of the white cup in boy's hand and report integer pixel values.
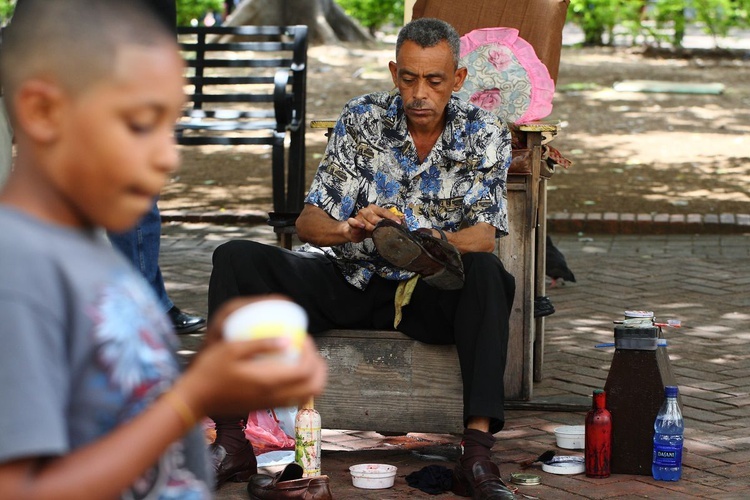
(267, 319)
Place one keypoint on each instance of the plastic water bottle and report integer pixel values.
(668, 430)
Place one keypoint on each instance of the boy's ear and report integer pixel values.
(39, 109)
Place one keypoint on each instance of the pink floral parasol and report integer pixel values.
(505, 75)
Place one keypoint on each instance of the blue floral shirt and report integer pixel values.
(371, 159)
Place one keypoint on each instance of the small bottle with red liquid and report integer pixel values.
(598, 447)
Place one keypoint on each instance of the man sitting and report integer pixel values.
(412, 184)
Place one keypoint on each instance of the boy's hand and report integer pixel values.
(215, 328)
(234, 377)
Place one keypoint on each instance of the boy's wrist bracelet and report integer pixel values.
(181, 408)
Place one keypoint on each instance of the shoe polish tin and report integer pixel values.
(525, 479)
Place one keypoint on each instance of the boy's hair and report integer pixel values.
(428, 32)
(73, 42)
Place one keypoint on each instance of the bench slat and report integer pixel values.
(240, 63)
(248, 98)
(230, 80)
(224, 125)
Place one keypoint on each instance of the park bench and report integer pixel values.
(247, 85)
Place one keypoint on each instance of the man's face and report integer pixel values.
(426, 77)
(117, 148)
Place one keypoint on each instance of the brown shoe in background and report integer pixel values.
(289, 484)
(435, 260)
(481, 482)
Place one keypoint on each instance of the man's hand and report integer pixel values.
(315, 226)
(365, 220)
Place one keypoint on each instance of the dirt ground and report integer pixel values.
(632, 152)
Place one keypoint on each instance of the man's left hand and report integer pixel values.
(365, 220)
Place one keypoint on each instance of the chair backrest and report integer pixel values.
(539, 22)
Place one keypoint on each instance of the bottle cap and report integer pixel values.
(671, 391)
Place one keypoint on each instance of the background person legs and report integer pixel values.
(141, 246)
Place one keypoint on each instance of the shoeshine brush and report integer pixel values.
(544, 457)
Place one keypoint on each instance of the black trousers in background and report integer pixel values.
(474, 318)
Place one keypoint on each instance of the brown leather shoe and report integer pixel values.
(289, 484)
(435, 260)
(482, 482)
(236, 467)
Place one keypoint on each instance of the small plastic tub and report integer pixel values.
(373, 476)
(571, 437)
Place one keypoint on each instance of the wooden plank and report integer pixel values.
(385, 381)
(516, 253)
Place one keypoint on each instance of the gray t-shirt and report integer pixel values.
(84, 347)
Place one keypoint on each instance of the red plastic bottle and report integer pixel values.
(598, 437)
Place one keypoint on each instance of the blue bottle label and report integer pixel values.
(667, 456)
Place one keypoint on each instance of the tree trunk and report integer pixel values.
(326, 20)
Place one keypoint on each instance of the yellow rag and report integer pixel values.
(403, 297)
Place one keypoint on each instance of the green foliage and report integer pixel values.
(187, 10)
(655, 18)
(6, 10)
(373, 14)
(597, 17)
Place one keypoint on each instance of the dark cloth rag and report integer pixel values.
(433, 479)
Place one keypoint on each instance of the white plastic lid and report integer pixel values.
(639, 314)
(565, 465)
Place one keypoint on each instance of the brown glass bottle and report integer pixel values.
(598, 447)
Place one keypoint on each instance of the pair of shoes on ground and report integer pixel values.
(289, 484)
(480, 481)
(237, 467)
(435, 260)
(184, 322)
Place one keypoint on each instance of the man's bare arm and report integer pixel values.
(315, 226)
(477, 238)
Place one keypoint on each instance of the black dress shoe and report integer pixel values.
(237, 467)
(185, 323)
(289, 485)
(435, 260)
(543, 306)
(480, 482)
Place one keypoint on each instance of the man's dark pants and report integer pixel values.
(474, 318)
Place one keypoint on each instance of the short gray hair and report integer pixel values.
(428, 32)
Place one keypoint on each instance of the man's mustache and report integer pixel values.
(417, 104)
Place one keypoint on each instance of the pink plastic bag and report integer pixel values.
(265, 433)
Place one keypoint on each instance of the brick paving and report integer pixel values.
(698, 277)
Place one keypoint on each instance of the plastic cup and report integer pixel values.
(269, 319)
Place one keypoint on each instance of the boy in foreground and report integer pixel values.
(93, 402)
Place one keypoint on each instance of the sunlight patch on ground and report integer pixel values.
(668, 147)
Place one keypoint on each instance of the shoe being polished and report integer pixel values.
(184, 322)
(480, 482)
(237, 467)
(435, 260)
(289, 484)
